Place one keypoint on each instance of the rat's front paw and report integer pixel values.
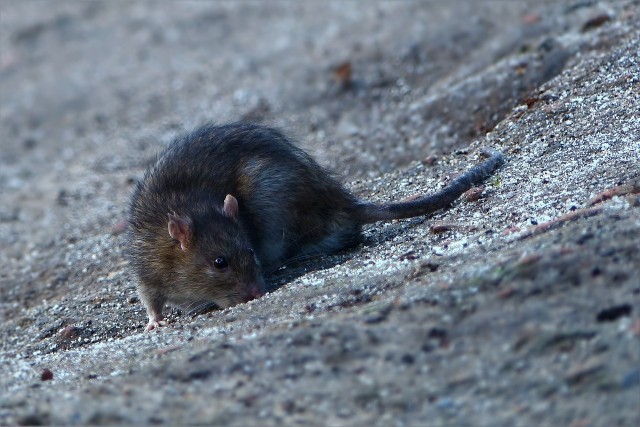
(153, 324)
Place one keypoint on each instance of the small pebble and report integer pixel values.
(46, 375)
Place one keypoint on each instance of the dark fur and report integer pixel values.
(289, 206)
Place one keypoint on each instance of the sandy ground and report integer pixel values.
(519, 308)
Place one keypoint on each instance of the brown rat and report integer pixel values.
(225, 205)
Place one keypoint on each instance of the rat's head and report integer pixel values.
(215, 262)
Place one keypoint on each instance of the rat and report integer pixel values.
(226, 205)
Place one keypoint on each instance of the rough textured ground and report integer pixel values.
(519, 308)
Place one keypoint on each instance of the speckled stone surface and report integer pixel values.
(517, 308)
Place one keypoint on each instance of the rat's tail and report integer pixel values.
(371, 212)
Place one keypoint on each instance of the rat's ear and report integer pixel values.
(230, 207)
(180, 229)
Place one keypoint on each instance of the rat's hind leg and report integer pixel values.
(339, 237)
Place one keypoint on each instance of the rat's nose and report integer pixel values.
(254, 291)
(251, 295)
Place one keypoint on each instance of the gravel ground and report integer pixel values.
(517, 307)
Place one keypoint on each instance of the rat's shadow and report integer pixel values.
(293, 270)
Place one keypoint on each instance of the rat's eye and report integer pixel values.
(220, 263)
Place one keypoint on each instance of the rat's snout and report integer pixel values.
(254, 290)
